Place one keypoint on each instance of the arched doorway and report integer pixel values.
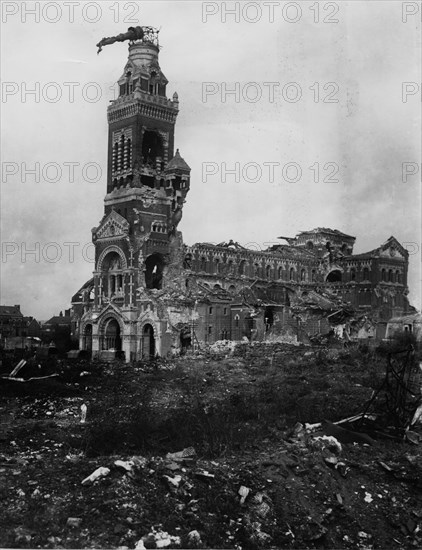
(148, 342)
(112, 336)
(334, 276)
(87, 338)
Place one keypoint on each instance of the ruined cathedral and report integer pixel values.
(151, 294)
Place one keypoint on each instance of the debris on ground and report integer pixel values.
(97, 474)
(259, 450)
(84, 409)
(181, 456)
(157, 539)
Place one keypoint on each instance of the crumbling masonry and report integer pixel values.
(151, 294)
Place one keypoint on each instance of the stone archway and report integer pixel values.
(118, 251)
(111, 335)
(148, 344)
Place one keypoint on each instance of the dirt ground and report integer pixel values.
(254, 474)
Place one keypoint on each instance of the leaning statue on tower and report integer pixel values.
(133, 33)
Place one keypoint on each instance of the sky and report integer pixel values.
(293, 115)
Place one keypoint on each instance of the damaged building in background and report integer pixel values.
(152, 295)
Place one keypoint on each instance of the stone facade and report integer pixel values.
(151, 294)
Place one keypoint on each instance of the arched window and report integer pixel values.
(242, 267)
(256, 270)
(303, 275)
(391, 276)
(292, 274)
(365, 274)
(216, 265)
(236, 320)
(268, 271)
(310, 244)
(383, 275)
(128, 154)
(313, 275)
(280, 273)
(334, 276)
(111, 268)
(115, 155)
(398, 277)
(353, 274)
(121, 153)
(203, 264)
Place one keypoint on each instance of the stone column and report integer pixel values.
(131, 290)
(95, 340)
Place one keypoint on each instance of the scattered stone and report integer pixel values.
(84, 409)
(342, 468)
(22, 535)
(174, 481)
(299, 432)
(205, 474)
(312, 427)
(243, 492)
(263, 509)
(331, 461)
(173, 466)
(74, 522)
(157, 539)
(368, 497)
(194, 537)
(329, 442)
(98, 473)
(127, 466)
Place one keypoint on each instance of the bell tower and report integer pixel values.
(141, 130)
(141, 122)
(126, 308)
(147, 182)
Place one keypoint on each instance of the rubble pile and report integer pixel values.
(306, 489)
(348, 482)
(224, 347)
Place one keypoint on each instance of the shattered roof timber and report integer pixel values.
(279, 249)
(326, 230)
